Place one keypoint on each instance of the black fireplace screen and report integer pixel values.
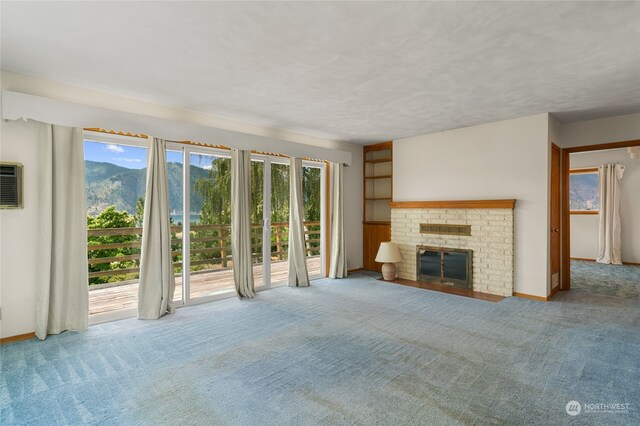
(445, 266)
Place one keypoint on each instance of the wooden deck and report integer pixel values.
(202, 284)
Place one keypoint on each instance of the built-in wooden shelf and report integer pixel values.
(377, 184)
(455, 204)
(379, 160)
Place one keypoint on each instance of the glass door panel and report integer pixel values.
(257, 217)
(211, 264)
(175, 166)
(311, 190)
(279, 223)
(115, 176)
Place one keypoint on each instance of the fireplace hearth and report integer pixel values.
(447, 266)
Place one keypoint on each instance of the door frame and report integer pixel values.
(325, 226)
(565, 239)
(132, 141)
(550, 290)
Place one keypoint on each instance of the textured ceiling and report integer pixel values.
(357, 71)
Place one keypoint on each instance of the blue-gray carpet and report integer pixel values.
(352, 351)
(607, 280)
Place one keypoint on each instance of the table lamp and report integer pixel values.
(388, 254)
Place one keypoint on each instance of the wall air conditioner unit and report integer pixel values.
(10, 185)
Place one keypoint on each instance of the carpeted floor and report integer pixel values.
(352, 351)
(607, 280)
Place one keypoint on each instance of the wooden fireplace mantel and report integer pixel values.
(455, 204)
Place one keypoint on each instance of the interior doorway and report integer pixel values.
(581, 214)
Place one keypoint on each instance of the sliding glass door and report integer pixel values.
(175, 173)
(200, 219)
(210, 260)
(115, 173)
(279, 223)
(276, 218)
(258, 235)
(313, 194)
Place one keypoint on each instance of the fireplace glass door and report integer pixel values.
(445, 266)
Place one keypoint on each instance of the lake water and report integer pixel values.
(177, 218)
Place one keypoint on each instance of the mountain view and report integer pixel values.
(112, 185)
(584, 191)
(116, 182)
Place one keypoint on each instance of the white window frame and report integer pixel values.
(186, 224)
(107, 138)
(324, 191)
(266, 220)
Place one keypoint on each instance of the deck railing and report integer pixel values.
(119, 260)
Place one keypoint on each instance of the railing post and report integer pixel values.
(223, 252)
(278, 242)
(307, 244)
(223, 255)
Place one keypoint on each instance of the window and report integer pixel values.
(115, 173)
(200, 178)
(209, 256)
(584, 192)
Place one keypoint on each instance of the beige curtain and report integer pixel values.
(157, 280)
(609, 232)
(298, 275)
(62, 292)
(241, 222)
(338, 263)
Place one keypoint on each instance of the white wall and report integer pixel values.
(507, 159)
(584, 228)
(555, 137)
(353, 206)
(555, 130)
(18, 234)
(604, 130)
(19, 144)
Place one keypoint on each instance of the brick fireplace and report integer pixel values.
(491, 224)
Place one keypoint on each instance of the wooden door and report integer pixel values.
(374, 234)
(555, 219)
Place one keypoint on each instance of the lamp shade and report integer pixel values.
(388, 253)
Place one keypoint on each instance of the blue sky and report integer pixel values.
(133, 157)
